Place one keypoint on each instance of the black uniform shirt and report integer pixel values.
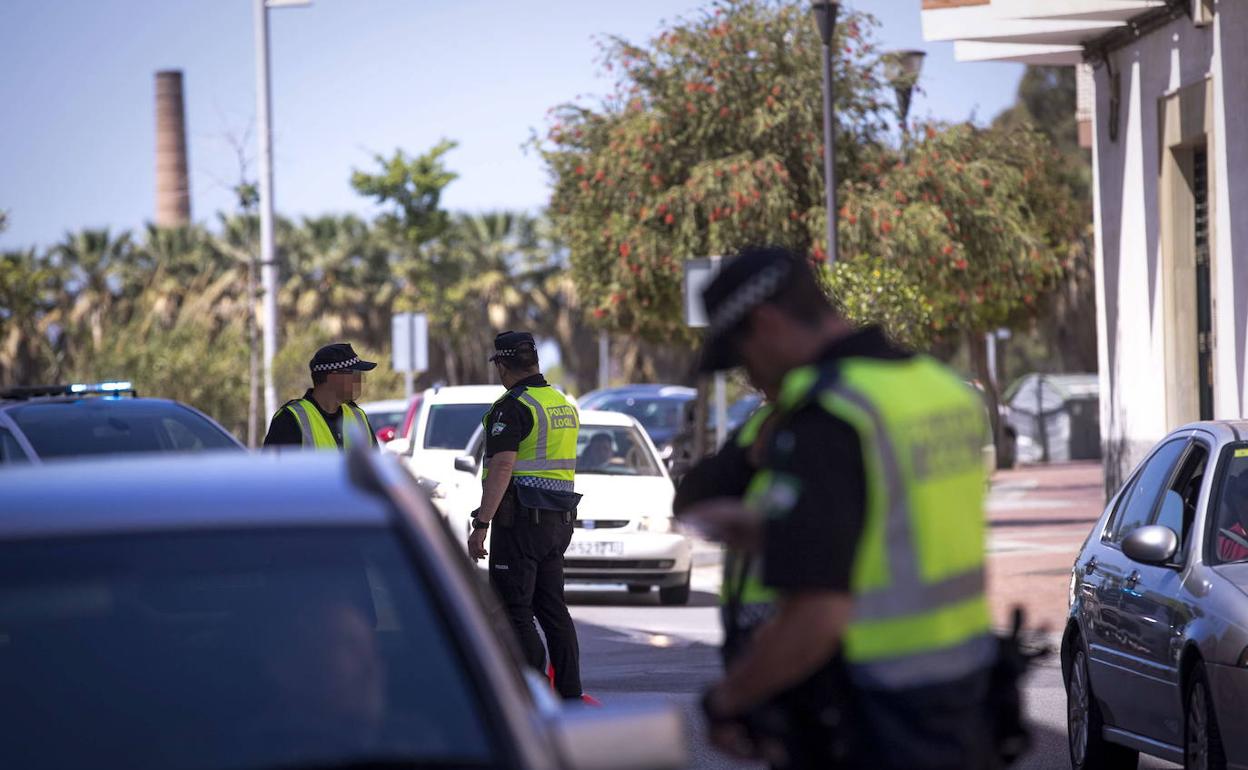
(284, 430)
(509, 421)
(810, 540)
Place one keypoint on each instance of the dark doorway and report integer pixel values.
(1204, 300)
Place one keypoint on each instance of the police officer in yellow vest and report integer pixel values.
(528, 499)
(863, 520)
(327, 416)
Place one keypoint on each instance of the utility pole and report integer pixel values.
(268, 262)
(825, 17)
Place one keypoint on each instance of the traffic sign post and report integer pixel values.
(409, 347)
(699, 273)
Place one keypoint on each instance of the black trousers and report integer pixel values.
(526, 571)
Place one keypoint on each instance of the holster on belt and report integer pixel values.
(544, 506)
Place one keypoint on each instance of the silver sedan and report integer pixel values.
(1155, 649)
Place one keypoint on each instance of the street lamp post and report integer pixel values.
(268, 259)
(902, 69)
(825, 12)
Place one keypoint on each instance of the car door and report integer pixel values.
(1115, 638)
(1153, 604)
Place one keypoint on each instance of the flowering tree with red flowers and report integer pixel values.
(974, 222)
(711, 140)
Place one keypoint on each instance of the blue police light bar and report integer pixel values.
(101, 387)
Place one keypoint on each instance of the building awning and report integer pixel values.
(1050, 32)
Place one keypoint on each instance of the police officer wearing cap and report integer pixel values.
(327, 416)
(528, 500)
(862, 525)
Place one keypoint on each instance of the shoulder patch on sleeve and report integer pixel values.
(498, 428)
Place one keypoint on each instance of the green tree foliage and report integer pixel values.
(965, 221)
(412, 188)
(711, 139)
(1064, 335)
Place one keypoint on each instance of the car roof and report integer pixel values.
(464, 394)
(592, 417)
(646, 390)
(120, 403)
(209, 490)
(1223, 430)
(385, 405)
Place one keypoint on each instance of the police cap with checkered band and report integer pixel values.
(753, 277)
(509, 344)
(339, 357)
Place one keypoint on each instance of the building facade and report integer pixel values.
(1169, 140)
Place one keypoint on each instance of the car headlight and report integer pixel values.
(655, 524)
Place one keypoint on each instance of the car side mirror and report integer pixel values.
(1153, 544)
(621, 737)
(466, 463)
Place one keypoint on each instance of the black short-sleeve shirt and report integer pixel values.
(815, 519)
(509, 421)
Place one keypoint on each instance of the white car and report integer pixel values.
(624, 528)
(441, 430)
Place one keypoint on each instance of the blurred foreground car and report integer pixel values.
(1155, 650)
(310, 613)
(44, 423)
(624, 531)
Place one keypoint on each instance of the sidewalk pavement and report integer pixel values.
(1038, 518)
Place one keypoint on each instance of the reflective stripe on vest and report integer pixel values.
(549, 450)
(755, 601)
(920, 613)
(314, 432)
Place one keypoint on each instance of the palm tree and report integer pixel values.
(93, 260)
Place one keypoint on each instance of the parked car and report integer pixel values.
(441, 426)
(1155, 649)
(661, 409)
(624, 527)
(52, 422)
(387, 417)
(300, 610)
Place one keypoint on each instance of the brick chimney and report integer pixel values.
(173, 182)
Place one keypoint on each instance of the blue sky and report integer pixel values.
(350, 78)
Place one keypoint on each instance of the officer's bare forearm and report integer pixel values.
(495, 485)
(800, 638)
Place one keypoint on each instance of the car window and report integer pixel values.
(451, 425)
(1230, 511)
(105, 426)
(381, 420)
(1178, 506)
(228, 649)
(11, 452)
(613, 451)
(653, 413)
(1135, 509)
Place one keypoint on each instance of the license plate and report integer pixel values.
(595, 548)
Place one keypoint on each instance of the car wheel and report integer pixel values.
(1202, 748)
(1088, 747)
(676, 594)
(638, 589)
